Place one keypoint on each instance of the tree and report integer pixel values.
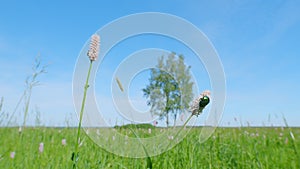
(170, 87)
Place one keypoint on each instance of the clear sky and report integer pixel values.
(256, 41)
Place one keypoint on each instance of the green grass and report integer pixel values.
(227, 148)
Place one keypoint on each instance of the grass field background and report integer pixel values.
(227, 148)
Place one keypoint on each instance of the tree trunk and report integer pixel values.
(175, 117)
(167, 108)
(167, 118)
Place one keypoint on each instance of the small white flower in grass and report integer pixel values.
(286, 141)
(264, 136)
(94, 47)
(280, 134)
(20, 130)
(64, 142)
(12, 154)
(41, 147)
(149, 130)
(170, 137)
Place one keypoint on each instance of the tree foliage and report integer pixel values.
(170, 87)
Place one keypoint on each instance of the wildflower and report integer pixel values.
(170, 137)
(64, 142)
(94, 47)
(286, 141)
(264, 136)
(41, 147)
(200, 103)
(20, 130)
(12, 154)
(149, 131)
(98, 132)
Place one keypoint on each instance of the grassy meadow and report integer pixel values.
(227, 148)
(53, 148)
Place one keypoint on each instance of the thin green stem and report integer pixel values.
(149, 161)
(27, 105)
(180, 129)
(75, 155)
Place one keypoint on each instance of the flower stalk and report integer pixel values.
(92, 54)
(196, 108)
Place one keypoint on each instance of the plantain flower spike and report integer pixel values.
(94, 47)
(200, 103)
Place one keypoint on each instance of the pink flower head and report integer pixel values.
(41, 147)
(64, 142)
(94, 47)
(12, 154)
(205, 93)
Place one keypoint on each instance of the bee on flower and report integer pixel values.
(199, 103)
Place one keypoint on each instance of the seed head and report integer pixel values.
(94, 47)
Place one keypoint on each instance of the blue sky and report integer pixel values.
(256, 42)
